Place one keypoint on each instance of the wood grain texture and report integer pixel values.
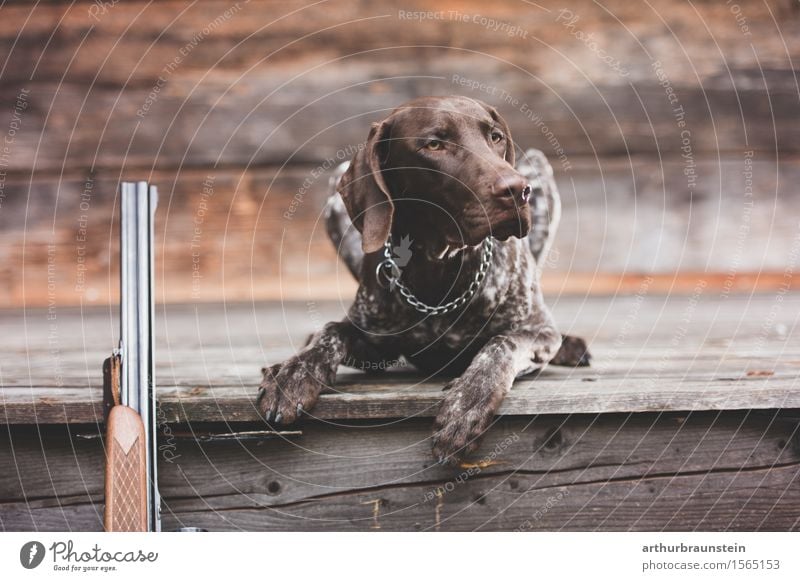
(263, 97)
(267, 84)
(735, 471)
(651, 353)
(216, 125)
(133, 41)
(257, 234)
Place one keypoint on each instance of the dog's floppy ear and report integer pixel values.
(509, 156)
(364, 191)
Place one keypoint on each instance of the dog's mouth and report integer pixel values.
(517, 225)
(513, 225)
(501, 222)
(510, 221)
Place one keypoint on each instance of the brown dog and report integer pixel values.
(446, 238)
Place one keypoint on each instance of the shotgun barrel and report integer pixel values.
(132, 498)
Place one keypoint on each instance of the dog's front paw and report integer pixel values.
(572, 353)
(290, 388)
(461, 422)
(546, 345)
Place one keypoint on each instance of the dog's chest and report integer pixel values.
(503, 303)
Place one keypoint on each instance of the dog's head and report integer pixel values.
(443, 165)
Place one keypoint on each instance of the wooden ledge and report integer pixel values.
(545, 395)
(651, 354)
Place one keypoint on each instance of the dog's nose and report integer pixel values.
(515, 187)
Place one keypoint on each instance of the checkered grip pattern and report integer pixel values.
(127, 488)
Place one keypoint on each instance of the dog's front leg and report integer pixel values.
(473, 398)
(291, 387)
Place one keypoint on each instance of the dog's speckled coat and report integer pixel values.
(439, 170)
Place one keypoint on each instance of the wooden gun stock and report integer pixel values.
(126, 466)
(126, 472)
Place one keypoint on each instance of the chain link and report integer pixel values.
(391, 271)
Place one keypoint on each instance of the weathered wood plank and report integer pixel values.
(205, 125)
(651, 353)
(529, 396)
(257, 234)
(255, 87)
(643, 322)
(743, 354)
(639, 472)
(646, 321)
(73, 517)
(218, 373)
(750, 501)
(738, 501)
(560, 450)
(133, 41)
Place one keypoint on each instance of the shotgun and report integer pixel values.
(132, 502)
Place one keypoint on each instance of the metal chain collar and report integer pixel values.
(391, 271)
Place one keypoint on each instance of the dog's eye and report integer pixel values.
(497, 137)
(434, 145)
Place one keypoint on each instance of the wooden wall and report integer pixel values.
(613, 472)
(673, 128)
